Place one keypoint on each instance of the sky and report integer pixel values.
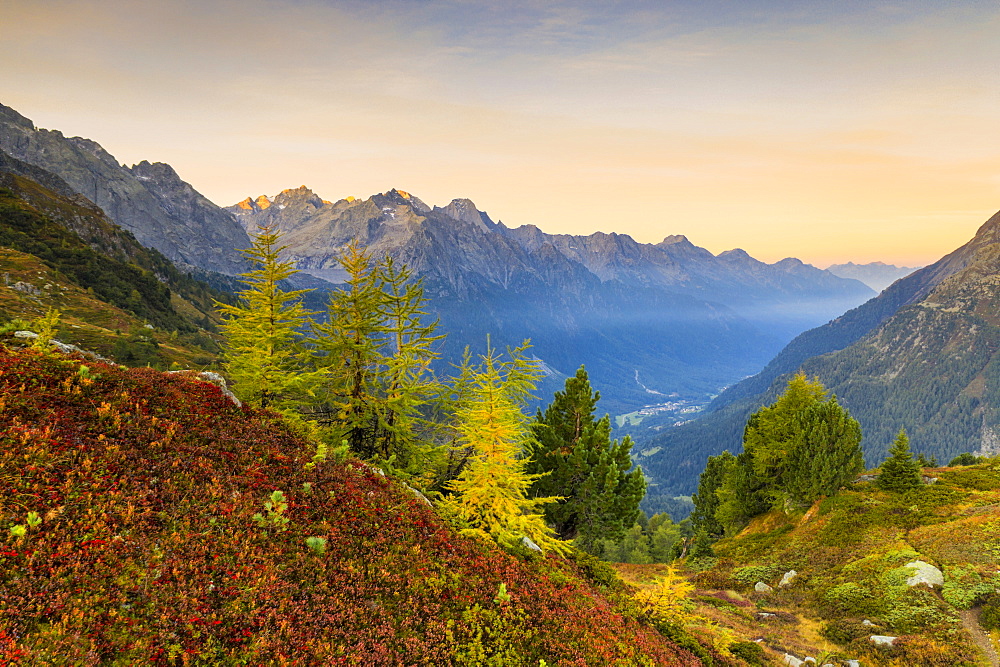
(833, 131)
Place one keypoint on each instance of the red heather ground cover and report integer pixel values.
(147, 552)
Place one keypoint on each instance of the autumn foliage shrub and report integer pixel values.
(147, 551)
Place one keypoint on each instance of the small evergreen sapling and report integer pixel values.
(275, 506)
(668, 599)
(899, 472)
(48, 327)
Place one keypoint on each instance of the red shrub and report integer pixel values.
(148, 552)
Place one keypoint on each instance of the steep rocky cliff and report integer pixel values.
(149, 200)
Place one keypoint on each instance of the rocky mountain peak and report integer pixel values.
(154, 171)
(249, 205)
(300, 196)
(11, 116)
(990, 231)
(87, 146)
(465, 210)
(675, 239)
(790, 263)
(403, 198)
(736, 254)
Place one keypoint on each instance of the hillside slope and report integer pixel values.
(852, 555)
(118, 298)
(132, 496)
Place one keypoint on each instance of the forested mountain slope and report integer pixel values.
(920, 356)
(64, 253)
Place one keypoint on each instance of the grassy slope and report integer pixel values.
(87, 321)
(147, 551)
(119, 255)
(107, 286)
(849, 551)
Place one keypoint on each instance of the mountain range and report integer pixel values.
(654, 323)
(649, 320)
(148, 200)
(876, 275)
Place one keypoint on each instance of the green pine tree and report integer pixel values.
(743, 495)
(899, 472)
(795, 450)
(825, 453)
(706, 500)
(635, 546)
(263, 353)
(576, 458)
(663, 535)
(770, 431)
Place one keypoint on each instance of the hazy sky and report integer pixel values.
(831, 131)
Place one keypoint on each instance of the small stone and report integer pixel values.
(882, 640)
(30, 335)
(761, 587)
(528, 544)
(925, 574)
(787, 579)
(790, 659)
(420, 496)
(867, 623)
(26, 288)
